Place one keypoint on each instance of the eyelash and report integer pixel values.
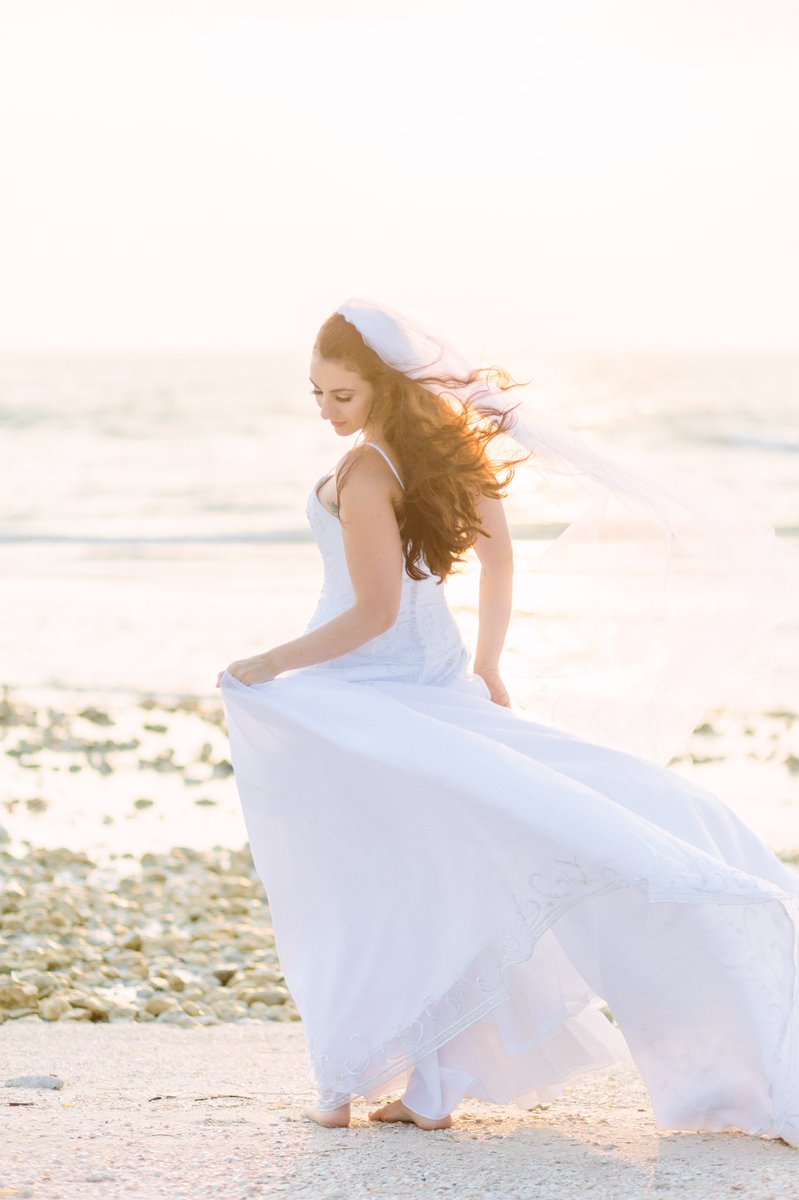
(316, 392)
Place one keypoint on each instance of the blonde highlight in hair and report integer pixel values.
(441, 442)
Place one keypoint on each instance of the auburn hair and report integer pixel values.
(441, 442)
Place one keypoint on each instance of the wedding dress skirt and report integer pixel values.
(456, 890)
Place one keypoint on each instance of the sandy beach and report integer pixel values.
(165, 1111)
(138, 966)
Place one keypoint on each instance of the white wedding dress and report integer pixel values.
(456, 890)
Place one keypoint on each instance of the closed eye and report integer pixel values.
(316, 392)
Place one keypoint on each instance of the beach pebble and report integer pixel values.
(175, 1016)
(54, 1007)
(182, 936)
(14, 995)
(229, 1010)
(270, 995)
(224, 974)
(35, 1081)
(159, 1004)
(13, 892)
(96, 716)
(97, 1006)
(122, 1012)
(43, 981)
(192, 1008)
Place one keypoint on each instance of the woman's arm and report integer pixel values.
(496, 594)
(373, 549)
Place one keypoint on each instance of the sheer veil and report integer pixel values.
(653, 648)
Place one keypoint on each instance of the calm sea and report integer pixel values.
(152, 523)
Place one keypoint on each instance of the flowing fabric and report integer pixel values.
(712, 583)
(457, 890)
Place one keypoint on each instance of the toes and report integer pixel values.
(380, 1114)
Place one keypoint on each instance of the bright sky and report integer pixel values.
(558, 174)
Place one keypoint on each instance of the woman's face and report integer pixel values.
(344, 397)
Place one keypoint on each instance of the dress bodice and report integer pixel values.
(424, 645)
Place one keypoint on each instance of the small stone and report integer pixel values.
(159, 1004)
(96, 716)
(35, 1081)
(15, 890)
(228, 1010)
(54, 1007)
(225, 973)
(122, 1012)
(95, 1006)
(175, 1017)
(14, 995)
(270, 995)
(43, 981)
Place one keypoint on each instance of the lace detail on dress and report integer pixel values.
(551, 894)
(473, 994)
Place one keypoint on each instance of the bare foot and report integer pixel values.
(333, 1118)
(397, 1111)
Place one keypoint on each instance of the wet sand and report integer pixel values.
(118, 775)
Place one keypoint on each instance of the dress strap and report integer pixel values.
(388, 460)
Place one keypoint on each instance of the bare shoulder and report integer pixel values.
(367, 474)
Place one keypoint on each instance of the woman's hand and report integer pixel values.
(258, 669)
(499, 693)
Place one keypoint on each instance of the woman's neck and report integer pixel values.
(371, 435)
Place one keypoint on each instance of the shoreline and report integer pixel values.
(129, 773)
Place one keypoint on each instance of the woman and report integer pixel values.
(457, 890)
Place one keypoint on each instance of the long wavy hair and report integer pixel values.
(441, 443)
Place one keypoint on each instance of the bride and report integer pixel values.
(460, 893)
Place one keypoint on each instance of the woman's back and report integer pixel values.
(424, 645)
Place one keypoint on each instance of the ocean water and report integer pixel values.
(152, 523)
